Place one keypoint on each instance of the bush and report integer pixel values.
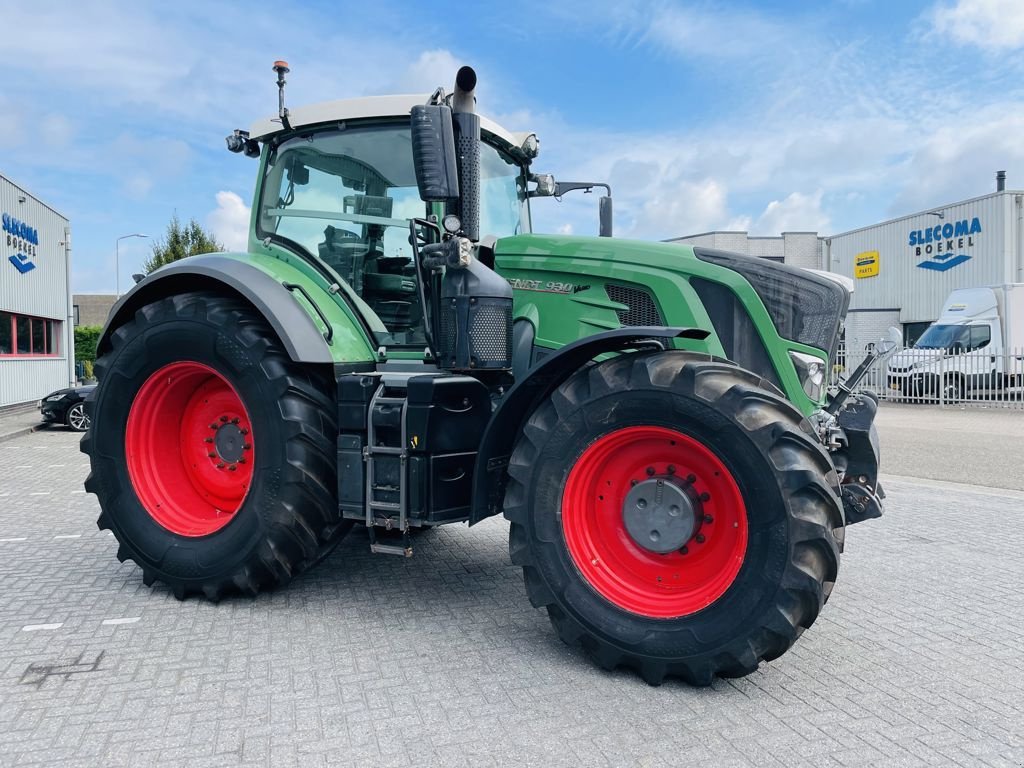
(86, 338)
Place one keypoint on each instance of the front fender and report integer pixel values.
(490, 472)
(306, 340)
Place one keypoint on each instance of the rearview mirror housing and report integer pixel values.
(433, 153)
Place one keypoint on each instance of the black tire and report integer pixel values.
(787, 482)
(953, 389)
(76, 418)
(289, 518)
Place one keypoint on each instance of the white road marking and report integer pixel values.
(39, 493)
(23, 466)
(35, 627)
(69, 536)
(110, 622)
(20, 538)
(53, 466)
(79, 491)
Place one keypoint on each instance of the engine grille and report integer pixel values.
(492, 334)
(642, 309)
(449, 335)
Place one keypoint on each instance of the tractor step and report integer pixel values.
(390, 543)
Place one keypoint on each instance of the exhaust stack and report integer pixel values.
(1000, 181)
(467, 147)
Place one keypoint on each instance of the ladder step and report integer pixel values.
(381, 450)
(374, 504)
(390, 549)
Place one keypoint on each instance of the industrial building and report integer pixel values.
(36, 335)
(905, 268)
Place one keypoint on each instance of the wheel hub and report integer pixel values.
(661, 514)
(229, 442)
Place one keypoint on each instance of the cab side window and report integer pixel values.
(981, 335)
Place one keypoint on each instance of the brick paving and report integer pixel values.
(440, 660)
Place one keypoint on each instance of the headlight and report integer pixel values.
(811, 371)
(55, 398)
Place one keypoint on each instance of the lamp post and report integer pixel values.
(117, 259)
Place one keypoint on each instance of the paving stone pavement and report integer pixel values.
(440, 660)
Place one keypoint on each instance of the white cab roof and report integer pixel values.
(369, 106)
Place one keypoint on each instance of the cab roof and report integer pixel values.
(366, 107)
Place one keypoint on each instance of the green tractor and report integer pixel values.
(397, 351)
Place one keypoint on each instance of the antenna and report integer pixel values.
(281, 67)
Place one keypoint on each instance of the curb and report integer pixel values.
(19, 432)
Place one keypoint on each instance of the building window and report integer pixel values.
(25, 336)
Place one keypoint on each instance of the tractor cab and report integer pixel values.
(340, 186)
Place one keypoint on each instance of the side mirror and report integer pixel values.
(433, 153)
(298, 174)
(890, 342)
(605, 213)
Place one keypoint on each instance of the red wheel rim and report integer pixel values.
(619, 569)
(189, 449)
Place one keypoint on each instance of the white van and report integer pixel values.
(976, 344)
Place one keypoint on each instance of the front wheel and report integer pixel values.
(675, 515)
(212, 452)
(77, 419)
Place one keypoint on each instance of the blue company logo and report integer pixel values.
(24, 239)
(941, 243)
(22, 262)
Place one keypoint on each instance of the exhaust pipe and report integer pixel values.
(1000, 181)
(467, 147)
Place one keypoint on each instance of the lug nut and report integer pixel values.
(232, 468)
(247, 447)
(650, 471)
(244, 431)
(700, 538)
(708, 519)
(705, 496)
(207, 439)
(214, 426)
(691, 478)
(671, 469)
(221, 465)
(212, 455)
(224, 418)
(683, 551)
(633, 482)
(235, 420)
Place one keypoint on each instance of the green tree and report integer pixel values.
(181, 241)
(86, 338)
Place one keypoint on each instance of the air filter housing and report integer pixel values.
(475, 320)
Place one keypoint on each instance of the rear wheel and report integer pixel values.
(212, 452)
(674, 515)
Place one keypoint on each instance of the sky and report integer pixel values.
(761, 116)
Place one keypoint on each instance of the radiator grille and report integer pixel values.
(642, 309)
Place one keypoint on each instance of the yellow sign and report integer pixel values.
(866, 264)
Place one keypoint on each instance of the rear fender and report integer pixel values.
(491, 470)
(302, 337)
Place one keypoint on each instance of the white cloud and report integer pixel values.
(795, 213)
(989, 24)
(430, 70)
(230, 221)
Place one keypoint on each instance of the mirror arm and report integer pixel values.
(561, 187)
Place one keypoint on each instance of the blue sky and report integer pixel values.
(764, 116)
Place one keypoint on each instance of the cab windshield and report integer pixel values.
(955, 337)
(345, 196)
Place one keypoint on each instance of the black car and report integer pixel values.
(67, 406)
